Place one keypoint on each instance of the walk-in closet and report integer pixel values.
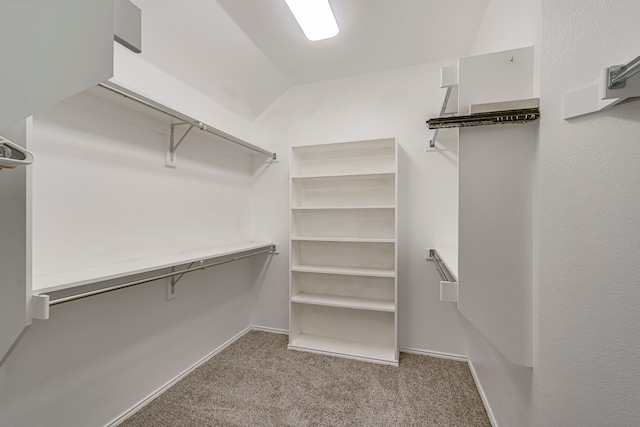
(374, 213)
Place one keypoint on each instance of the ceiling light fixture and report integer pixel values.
(315, 17)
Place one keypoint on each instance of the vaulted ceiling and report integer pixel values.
(245, 53)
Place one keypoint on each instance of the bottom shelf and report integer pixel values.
(379, 353)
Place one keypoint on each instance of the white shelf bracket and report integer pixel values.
(616, 86)
(173, 145)
(40, 306)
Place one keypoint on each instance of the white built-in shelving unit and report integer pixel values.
(343, 284)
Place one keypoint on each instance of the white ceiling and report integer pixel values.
(245, 53)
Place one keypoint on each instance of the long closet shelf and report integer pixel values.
(179, 118)
(342, 207)
(379, 353)
(345, 271)
(346, 175)
(344, 302)
(71, 279)
(345, 239)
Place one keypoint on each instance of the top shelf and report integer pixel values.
(116, 93)
(345, 159)
(72, 279)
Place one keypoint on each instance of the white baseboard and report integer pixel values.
(438, 354)
(131, 411)
(268, 329)
(483, 396)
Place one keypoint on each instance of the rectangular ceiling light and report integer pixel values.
(315, 17)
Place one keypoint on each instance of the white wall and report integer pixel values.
(102, 194)
(391, 103)
(511, 24)
(589, 284)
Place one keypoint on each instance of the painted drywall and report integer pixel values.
(15, 250)
(102, 194)
(50, 51)
(199, 43)
(589, 280)
(511, 24)
(393, 103)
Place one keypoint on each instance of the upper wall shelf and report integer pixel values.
(183, 123)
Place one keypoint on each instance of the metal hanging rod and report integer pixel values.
(183, 118)
(201, 266)
(432, 142)
(619, 74)
(445, 274)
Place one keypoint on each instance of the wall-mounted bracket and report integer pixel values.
(12, 155)
(40, 306)
(173, 145)
(614, 87)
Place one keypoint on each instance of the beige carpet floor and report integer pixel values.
(258, 382)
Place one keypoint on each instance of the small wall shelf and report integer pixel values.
(343, 250)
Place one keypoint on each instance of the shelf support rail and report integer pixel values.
(44, 299)
(184, 119)
(432, 142)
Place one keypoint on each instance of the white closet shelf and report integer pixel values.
(345, 271)
(389, 174)
(379, 353)
(342, 207)
(71, 279)
(345, 302)
(345, 239)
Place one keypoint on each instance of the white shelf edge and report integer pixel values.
(369, 352)
(345, 302)
(345, 271)
(345, 239)
(342, 207)
(71, 279)
(345, 175)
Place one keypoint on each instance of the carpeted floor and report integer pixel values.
(258, 382)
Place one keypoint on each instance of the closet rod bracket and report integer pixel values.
(173, 145)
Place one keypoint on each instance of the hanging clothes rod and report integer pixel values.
(270, 249)
(183, 118)
(432, 142)
(619, 74)
(445, 274)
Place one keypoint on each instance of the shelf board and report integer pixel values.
(71, 279)
(345, 239)
(345, 302)
(345, 271)
(346, 175)
(343, 207)
(370, 352)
